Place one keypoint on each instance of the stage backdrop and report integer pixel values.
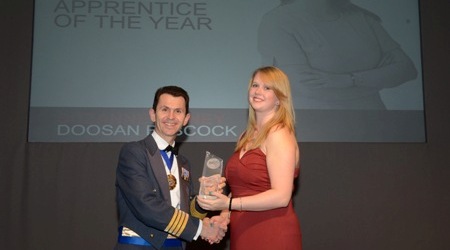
(97, 64)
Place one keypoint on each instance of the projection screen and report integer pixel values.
(354, 66)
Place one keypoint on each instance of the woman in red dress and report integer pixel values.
(261, 172)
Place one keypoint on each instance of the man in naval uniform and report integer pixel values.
(155, 196)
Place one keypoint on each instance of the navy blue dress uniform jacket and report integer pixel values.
(143, 196)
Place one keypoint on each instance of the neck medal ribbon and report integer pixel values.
(169, 161)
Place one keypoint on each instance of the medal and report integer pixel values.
(172, 181)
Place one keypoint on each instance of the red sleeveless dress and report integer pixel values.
(272, 229)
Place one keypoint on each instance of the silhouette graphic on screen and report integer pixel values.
(336, 54)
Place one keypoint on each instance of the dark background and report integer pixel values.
(350, 195)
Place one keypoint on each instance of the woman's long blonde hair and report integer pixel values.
(277, 80)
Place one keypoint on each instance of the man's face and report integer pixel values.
(170, 116)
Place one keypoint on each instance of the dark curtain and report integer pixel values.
(350, 195)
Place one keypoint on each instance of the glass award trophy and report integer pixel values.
(212, 172)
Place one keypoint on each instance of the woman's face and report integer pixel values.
(261, 96)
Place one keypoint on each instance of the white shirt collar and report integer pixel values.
(162, 144)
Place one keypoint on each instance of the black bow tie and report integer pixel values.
(174, 150)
